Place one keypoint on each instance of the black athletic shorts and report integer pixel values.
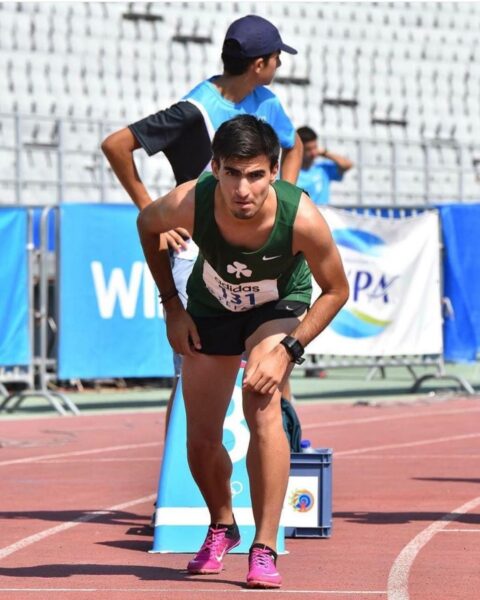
(226, 334)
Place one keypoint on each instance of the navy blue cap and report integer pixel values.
(255, 37)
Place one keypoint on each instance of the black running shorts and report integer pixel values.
(226, 334)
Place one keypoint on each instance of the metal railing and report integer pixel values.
(36, 375)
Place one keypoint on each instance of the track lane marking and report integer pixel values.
(451, 438)
(30, 459)
(418, 456)
(200, 591)
(390, 418)
(100, 460)
(41, 535)
(398, 577)
(460, 531)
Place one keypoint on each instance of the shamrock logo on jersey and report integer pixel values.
(239, 269)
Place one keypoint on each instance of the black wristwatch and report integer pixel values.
(294, 348)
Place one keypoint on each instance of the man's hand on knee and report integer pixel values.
(264, 374)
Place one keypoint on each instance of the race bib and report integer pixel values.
(239, 296)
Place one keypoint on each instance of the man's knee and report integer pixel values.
(262, 412)
(199, 445)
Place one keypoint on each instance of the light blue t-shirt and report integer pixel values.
(261, 102)
(316, 180)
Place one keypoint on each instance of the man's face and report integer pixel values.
(244, 184)
(267, 69)
(310, 152)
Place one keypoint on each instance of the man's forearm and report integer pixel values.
(118, 148)
(126, 171)
(292, 161)
(158, 259)
(320, 315)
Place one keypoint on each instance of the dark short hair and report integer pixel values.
(246, 136)
(307, 134)
(234, 64)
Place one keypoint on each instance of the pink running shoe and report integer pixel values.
(262, 570)
(220, 540)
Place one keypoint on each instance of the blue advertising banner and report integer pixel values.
(461, 229)
(14, 323)
(110, 319)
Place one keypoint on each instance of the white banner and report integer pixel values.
(393, 268)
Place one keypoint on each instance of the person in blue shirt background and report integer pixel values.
(319, 167)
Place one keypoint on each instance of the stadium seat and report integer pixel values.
(8, 192)
(7, 28)
(7, 159)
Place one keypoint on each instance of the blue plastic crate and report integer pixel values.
(308, 504)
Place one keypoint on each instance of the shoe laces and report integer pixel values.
(261, 558)
(213, 539)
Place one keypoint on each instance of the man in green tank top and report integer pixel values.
(260, 241)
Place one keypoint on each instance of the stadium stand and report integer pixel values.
(394, 85)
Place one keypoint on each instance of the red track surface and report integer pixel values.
(398, 470)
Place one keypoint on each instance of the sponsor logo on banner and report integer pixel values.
(393, 270)
(125, 290)
(371, 288)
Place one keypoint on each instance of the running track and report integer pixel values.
(77, 492)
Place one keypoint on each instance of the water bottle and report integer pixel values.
(306, 447)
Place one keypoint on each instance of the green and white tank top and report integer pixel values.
(228, 278)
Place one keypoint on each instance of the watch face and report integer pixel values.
(297, 349)
(294, 346)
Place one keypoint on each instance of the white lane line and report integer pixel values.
(416, 415)
(197, 591)
(100, 460)
(41, 535)
(417, 456)
(408, 444)
(34, 459)
(460, 531)
(400, 571)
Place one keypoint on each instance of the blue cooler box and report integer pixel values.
(307, 510)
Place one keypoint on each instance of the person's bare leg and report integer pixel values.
(268, 457)
(287, 390)
(208, 383)
(268, 464)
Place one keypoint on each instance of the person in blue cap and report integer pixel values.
(183, 132)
